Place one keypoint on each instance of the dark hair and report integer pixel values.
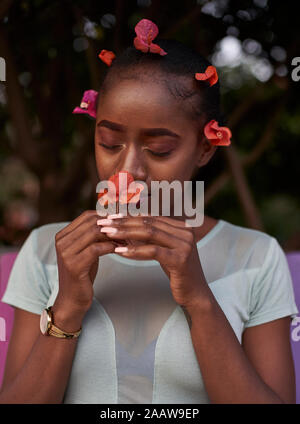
(176, 70)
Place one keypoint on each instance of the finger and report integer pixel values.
(85, 216)
(170, 221)
(83, 235)
(146, 234)
(186, 233)
(150, 252)
(175, 222)
(88, 255)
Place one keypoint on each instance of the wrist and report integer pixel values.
(200, 306)
(66, 319)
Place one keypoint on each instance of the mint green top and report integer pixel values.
(133, 306)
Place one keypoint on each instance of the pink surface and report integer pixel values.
(293, 259)
(6, 311)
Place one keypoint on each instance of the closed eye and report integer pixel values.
(109, 147)
(162, 154)
(158, 154)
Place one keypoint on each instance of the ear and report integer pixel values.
(206, 151)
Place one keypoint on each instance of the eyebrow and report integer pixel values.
(155, 132)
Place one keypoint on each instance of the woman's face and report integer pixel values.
(140, 128)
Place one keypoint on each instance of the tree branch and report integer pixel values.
(243, 190)
(253, 156)
(244, 106)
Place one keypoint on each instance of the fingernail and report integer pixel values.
(116, 215)
(104, 222)
(110, 230)
(121, 249)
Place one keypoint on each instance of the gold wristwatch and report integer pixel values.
(49, 329)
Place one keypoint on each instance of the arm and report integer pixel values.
(259, 371)
(232, 373)
(38, 366)
(39, 372)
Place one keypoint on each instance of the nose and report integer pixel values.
(132, 162)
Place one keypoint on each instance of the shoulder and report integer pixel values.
(247, 244)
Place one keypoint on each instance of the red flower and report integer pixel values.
(88, 104)
(209, 75)
(218, 136)
(107, 56)
(146, 31)
(121, 195)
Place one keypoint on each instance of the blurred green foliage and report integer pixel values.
(54, 45)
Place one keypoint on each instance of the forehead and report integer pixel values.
(143, 103)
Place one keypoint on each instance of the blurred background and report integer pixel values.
(47, 167)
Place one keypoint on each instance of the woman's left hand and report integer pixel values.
(172, 244)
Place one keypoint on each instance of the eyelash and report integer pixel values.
(163, 154)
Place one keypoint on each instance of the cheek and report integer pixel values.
(178, 167)
(105, 166)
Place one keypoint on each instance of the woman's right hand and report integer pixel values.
(78, 248)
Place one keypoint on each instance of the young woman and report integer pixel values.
(187, 314)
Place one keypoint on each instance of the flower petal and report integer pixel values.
(218, 136)
(209, 75)
(107, 56)
(212, 75)
(115, 179)
(123, 196)
(214, 125)
(103, 193)
(90, 96)
(218, 142)
(139, 44)
(146, 30)
(154, 48)
(135, 196)
(85, 111)
(103, 198)
(209, 130)
(88, 104)
(79, 110)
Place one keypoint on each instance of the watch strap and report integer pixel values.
(58, 332)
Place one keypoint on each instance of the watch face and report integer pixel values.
(44, 322)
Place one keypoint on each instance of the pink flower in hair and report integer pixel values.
(146, 31)
(88, 103)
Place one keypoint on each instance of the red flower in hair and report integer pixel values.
(218, 136)
(146, 31)
(122, 196)
(107, 56)
(209, 75)
(88, 103)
